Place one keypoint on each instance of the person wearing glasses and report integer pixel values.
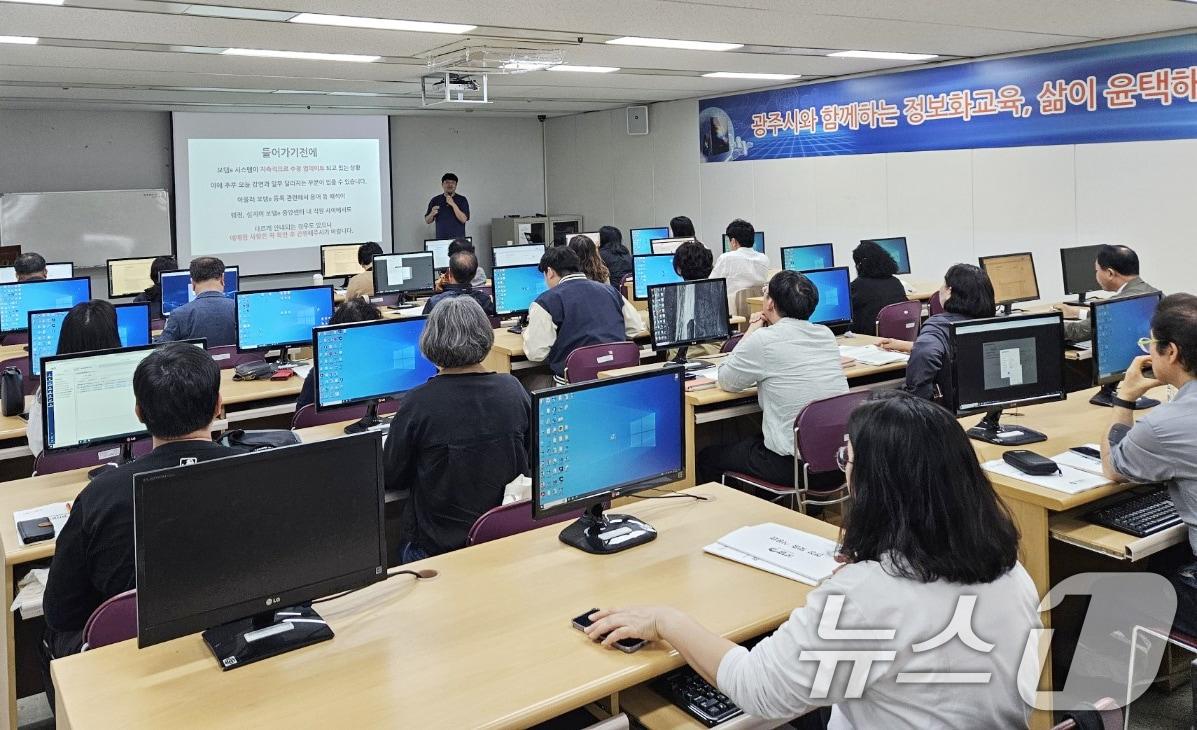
(1162, 445)
(926, 535)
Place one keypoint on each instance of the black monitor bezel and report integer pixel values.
(316, 332)
(632, 237)
(905, 245)
(494, 248)
(1064, 267)
(622, 490)
(848, 276)
(953, 399)
(635, 297)
(1034, 276)
(494, 280)
(375, 271)
(830, 246)
(764, 243)
(25, 323)
(698, 340)
(1099, 306)
(324, 260)
(143, 484)
(237, 315)
(108, 268)
(163, 274)
(34, 370)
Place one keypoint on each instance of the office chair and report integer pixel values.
(113, 621)
(87, 457)
(513, 518)
(900, 321)
(308, 416)
(585, 363)
(227, 357)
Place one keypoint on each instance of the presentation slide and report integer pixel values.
(265, 192)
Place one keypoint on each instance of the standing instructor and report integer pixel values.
(449, 210)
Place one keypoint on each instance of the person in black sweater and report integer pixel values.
(351, 310)
(153, 294)
(615, 255)
(177, 391)
(457, 440)
(875, 286)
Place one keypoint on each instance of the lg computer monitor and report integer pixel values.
(64, 270)
(87, 397)
(129, 277)
(806, 258)
(687, 313)
(177, 291)
(18, 299)
(1118, 325)
(404, 273)
(668, 245)
(281, 317)
(595, 441)
(239, 547)
(1004, 362)
(1012, 276)
(440, 250)
(642, 239)
(366, 362)
(835, 298)
(1080, 274)
(758, 242)
(45, 327)
(652, 269)
(516, 287)
(340, 260)
(525, 255)
(895, 247)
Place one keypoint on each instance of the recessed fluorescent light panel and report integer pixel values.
(739, 75)
(349, 21)
(585, 69)
(884, 55)
(302, 55)
(670, 43)
(21, 40)
(224, 11)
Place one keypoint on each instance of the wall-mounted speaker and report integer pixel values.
(637, 120)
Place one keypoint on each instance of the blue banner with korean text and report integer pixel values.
(1119, 92)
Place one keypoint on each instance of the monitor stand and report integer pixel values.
(368, 420)
(125, 457)
(268, 634)
(1105, 398)
(518, 327)
(990, 431)
(284, 359)
(1005, 310)
(600, 534)
(402, 303)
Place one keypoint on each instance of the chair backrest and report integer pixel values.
(29, 383)
(623, 285)
(85, 458)
(308, 416)
(731, 343)
(933, 305)
(158, 324)
(821, 428)
(585, 363)
(900, 321)
(511, 519)
(741, 308)
(384, 300)
(227, 357)
(16, 338)
(1107, 713)
(113, 620)
(487, 290)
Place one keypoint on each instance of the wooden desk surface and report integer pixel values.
(245, 391)
(486, 644)
(13, 427)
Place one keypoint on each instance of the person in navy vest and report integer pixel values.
(450, 210)
(574, 312)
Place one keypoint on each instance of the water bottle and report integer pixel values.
(317, 279)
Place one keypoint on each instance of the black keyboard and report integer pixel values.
(1139, 515)
(699, 699)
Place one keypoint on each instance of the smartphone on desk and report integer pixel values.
(1088, 451)
(625, 645)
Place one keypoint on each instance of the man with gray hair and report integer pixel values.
(459, 439)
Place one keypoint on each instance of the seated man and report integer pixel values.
(464, 244)
(743, 266)
(211, 314)
(30, 267)
(458, 439)
(177, 390)
(463, 266)
(1117, 269)
(362, 285)
(791, 362)
(1162, 446)
(575, 311)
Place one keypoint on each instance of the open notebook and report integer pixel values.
(780, 550)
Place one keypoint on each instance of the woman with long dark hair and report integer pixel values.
(875, 286)
(615, 255)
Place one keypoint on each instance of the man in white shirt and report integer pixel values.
(743, 266)
(791, 362)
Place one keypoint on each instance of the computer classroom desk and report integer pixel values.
(436, 655)
(713, 404)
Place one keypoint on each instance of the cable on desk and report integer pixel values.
(419, 575)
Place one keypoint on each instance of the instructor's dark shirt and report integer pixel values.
(447, 225)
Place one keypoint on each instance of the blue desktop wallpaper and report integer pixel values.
(132, 324)
(653, 269)
(17, 300)
(835, 300)
(517, 287)
(804, 258)
(642, 239)
(1119, 325)
(266, 319)
(372, 361)
(176, 288)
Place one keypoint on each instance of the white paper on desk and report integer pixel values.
(1083, 345)
(29, 597)
(302, 370)
(1068, 481)
(872, 355)
(57, 512)
(729, 553)
(1081, 462)
(791, 550)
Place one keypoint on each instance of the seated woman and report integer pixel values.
(592, 263)
(926, 539)
(88, 326)
(615, 255)
(351, 310)
(459, 439)
(153, 294)
(875, 286)
(966, 294)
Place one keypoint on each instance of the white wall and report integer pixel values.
(952, 206)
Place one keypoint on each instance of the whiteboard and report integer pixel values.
(87, 227)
